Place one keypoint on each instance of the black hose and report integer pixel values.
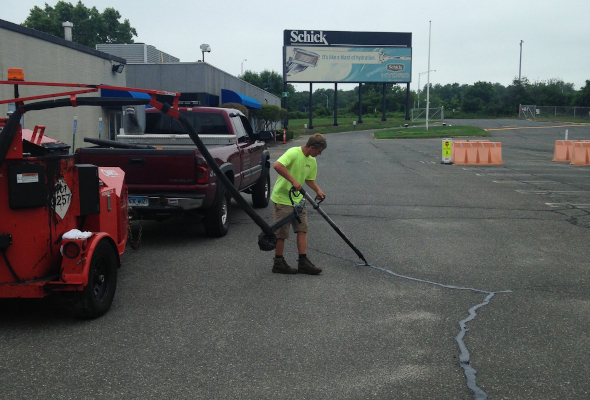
(84, 101)
(115, 144)
(266, 229)
(19, 280)
(11, 126)
(333, 225)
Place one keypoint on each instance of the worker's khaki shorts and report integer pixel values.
(281, 210)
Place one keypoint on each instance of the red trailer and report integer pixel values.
(63, 226)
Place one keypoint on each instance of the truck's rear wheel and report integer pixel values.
(217, 217)
(97, 297)
(261, 191)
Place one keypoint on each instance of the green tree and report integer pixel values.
(482, 97)
(298, 102)
(90, 26)
(237, 106)
(516, 94)
(267, 117)
(582, 98)
(372, 98)
(450, 95)
(270, 81)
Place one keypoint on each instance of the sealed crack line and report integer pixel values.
(464, 357)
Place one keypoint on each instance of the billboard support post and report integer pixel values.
(310, 106)
(360, 103)
(384, 104)
(286, 120)
(335, 104)
(407, 102)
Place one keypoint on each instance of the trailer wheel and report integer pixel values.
(261, 191)
(97, 297)
(217, 217)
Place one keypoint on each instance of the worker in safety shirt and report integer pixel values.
(295, 167)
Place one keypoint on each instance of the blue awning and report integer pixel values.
(123, 93)
(229, 96)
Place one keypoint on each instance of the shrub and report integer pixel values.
(237, 106)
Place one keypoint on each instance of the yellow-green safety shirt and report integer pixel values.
(300, 167)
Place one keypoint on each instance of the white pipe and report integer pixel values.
(67, 30)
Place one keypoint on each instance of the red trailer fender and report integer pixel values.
(77, 256)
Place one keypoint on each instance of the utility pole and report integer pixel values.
(428, 75)
(520, 63)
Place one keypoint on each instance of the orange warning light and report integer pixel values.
(16, 74)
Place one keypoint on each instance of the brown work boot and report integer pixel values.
(280, 266)
(304, 266)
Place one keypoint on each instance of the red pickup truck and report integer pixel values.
(168, 176)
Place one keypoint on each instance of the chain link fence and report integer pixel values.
(555, 113)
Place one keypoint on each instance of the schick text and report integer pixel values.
(308, 37)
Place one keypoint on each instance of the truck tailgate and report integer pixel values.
(145, 166)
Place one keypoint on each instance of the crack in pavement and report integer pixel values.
(464, 356)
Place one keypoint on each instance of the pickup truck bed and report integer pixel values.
(174, 179)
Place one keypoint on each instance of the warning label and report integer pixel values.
(27, 178)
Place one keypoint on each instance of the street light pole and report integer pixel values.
(419, 88)
(243, 67)
(520, 62)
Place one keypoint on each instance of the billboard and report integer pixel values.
(348, 64)
(348, 57)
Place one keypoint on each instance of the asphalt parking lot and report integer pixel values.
(500, 249)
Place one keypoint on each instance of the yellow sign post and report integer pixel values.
(447, 149)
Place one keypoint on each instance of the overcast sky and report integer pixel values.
(470, 40)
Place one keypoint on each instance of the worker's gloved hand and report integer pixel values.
(321, 196)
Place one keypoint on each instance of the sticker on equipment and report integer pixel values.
(27, 178)
(62, 198)
(109, 172)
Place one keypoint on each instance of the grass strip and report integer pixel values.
(345, 124)
(432, 132)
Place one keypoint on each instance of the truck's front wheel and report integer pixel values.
(217, 217)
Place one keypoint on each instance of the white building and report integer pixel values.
(46, 58)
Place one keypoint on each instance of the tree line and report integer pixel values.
(481, 99)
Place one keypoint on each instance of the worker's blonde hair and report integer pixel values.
(317, 141)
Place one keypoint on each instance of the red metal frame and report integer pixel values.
(91, 89)
(37, 232)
